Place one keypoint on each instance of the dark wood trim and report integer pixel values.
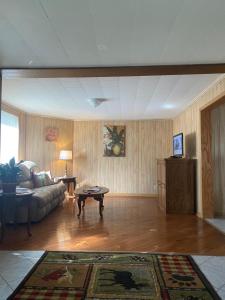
(156, 70)
(207, 165)
(214, 104)
(208, 200)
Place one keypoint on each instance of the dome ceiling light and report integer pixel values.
(94, 102)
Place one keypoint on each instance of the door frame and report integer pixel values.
(208, 201)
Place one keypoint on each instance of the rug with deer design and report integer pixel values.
(113, 275)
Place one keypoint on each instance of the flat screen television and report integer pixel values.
(178, 148)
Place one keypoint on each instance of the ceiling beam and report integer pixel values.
(156, 70)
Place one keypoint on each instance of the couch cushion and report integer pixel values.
(41, 179)
(37, 213)
(45, 194)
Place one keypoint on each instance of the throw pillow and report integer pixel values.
(41, 179)
(26, 170)
(49, 180)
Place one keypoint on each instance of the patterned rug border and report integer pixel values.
(207, 283)
(203, 278)
(29, 274)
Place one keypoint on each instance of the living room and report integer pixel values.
(107, 131)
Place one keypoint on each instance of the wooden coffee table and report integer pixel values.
(83, 193)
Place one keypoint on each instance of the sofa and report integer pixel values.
(47, 193)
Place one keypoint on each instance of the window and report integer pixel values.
(9, 136)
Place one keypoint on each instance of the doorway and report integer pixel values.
(213, 159)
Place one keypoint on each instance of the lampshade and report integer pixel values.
(65, 154)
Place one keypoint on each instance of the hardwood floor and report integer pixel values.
(129, 224)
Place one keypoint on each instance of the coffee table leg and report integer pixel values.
(101, 206)
(79, 205)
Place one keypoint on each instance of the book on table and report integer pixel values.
(92, 189)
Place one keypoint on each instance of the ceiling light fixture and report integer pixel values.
(102, 47)
(94, 102)
(168, 106)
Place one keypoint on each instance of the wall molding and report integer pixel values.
(131, 195)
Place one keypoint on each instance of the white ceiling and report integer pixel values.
(147, 97)
(111, 32)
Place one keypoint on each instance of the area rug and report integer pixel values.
(113, 275)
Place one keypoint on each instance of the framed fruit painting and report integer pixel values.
(114, 140)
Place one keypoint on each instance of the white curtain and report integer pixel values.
(9, 136)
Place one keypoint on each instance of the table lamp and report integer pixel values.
(65, 155)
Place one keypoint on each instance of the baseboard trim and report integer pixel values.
(131, 195)
(199, 215)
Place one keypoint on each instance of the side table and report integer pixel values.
(22, 197)
(68, 181)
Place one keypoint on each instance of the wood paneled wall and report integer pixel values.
(134, 174)
(32, 143)
(44, 153)
(189, 122)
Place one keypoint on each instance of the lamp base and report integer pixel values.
(65, 175)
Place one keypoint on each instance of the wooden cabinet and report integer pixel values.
(176, 185)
